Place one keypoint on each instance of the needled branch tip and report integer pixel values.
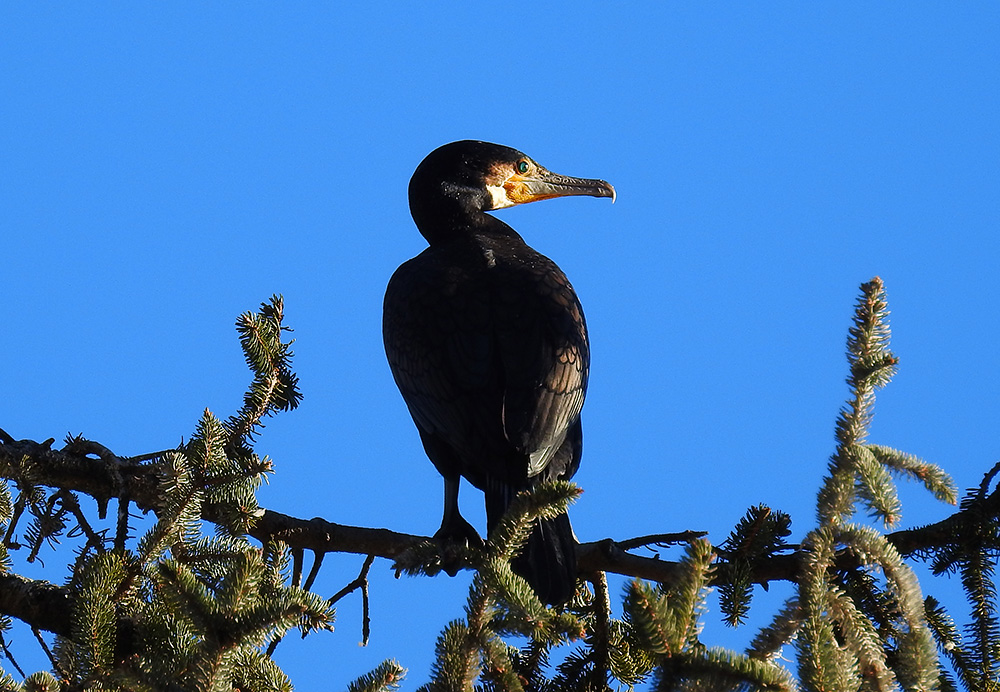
(853, 625)
(275, 386)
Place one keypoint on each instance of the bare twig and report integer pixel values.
(297, 556)
(314, 572)
(358, 581)
(149, 456)
(602, 618)
(48, 652)
(9, 656)
(70, 502)
(366, 621)
(121, 529)
(361, 582)
(19, 503)
(661, 539)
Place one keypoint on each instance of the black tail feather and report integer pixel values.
(548, 560)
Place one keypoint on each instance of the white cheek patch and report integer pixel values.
(498, 194)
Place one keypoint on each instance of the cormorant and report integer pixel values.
(488, 344)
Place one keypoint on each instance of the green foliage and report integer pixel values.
(42, 682)
(861, 610)
(501, 602)
(666, 620)
(971, 549)
(175, 609)
(658, 636)
(183, 611)
(666, 623)
(759, 535)
(275, 386)
(384, 678)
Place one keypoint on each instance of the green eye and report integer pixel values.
(522, 167)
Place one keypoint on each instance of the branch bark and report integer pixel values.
(92, 469)
(38, 603)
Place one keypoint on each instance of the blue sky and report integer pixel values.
(165, 167)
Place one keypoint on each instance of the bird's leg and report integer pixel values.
(453, 525)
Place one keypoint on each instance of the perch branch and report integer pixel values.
(46, 606)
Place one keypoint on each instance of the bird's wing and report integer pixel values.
(543, 345)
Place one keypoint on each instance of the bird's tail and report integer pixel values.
(548, 560)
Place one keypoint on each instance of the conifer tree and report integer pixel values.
(161, 605)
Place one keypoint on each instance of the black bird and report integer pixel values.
(487, 342)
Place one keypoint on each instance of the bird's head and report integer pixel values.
(464, 179)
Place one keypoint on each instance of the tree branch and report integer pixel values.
(39, 603)
(103, 475)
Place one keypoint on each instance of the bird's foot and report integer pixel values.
(458, 530)
(455, 538)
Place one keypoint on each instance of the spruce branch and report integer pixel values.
(275, 386)
(184, 609)
(859, 611)
(9, 684)
(546, 501)
(871, 366)
(500, 601)
(666, 624)
(854, 627)
(760, 534)
(721, 669)
(62, 468)
(939, 483)
(951, 645)
(973, 551)
(783, 628)
(42, 681)
(386, 677)
(253, 671)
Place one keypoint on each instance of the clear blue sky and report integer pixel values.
(165, 167)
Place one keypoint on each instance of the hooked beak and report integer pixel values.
(543, 184)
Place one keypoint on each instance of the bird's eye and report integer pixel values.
(522, 166)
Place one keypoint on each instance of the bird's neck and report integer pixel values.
(442, 230)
